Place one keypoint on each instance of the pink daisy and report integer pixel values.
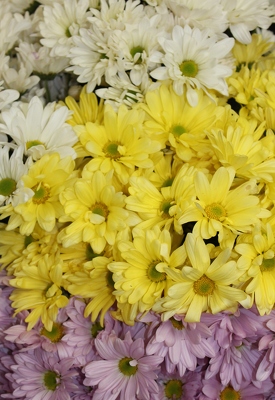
(185, 387)
(181, 343)
(125, 371)
(266, 367)
(40, 375)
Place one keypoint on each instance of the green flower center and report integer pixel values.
(100, 209)
(229, 394)
(68, 33)
(189, 68)
(28, 240)
(165, 207)
(51, 380)
(204, 286)
(178, 130)
(95, 329)
(111, 150)
(7, 186)
(137, 50)
(153, 274)
(268, 265)
(33, 143)
(125, 366)
(215, 211)
(90, 255)
(168, 182)
(177, 324)
(173, 389)
(109, 280)
(55, 334)
(41, 193)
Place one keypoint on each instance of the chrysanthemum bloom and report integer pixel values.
(203, 286)
(39, 288)
(46, 178)
(119, 144)
(40, 375)
(180, 343)
(140, 280)
(40, 130)
(175, 387)
(173, 122)
(221, 210)
(162, 207)
(192, 59)
(96, 210)
(124, 372)
(94, 283)
(267, 342)
(7, 96)
(258, 262)
(213, 389)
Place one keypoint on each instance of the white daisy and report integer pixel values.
(11, 27)
(247, 15)
(192, 60)
(61, 22)
(39, 130)
(12, 168)
(7, 96)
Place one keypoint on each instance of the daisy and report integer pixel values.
(42, 375)
(203, 286)
(7, 97)
(175, 387)
(61, 22)
(125, 371)
(40, 130)
(139, 279)
(189, 63)
(12, 168)
(11, 27)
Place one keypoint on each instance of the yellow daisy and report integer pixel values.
(97, 212)
(47, 178)
(119, 144)
(203, 286)
(39, 288)
(175, 124)
(140, 279)
(220, 209)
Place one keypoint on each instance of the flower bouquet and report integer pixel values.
(137, 169)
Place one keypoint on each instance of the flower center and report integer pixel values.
(189, 68)
(137, 50)
(204, 286)
(127, 366)
(215, 211)
(268, 265)
(95, 329)
(109, 280)
(165, 207)
(153, 274)
(28, 240)
(111, 150)
(55, 334)
(51, 380)
(33, 143)
(7, 186)
(41, 193)
(100, 209)
(168, 182)
(178, 130)
(90, 255)
(229, 394)
(173, 389)
(177, 324)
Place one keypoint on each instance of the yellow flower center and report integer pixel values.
(177, 324)
(268, 265)
(111, 150)
(204, 286)
(41, 193)
(137, 50)
(153, 274)
(178, 130)
(55, 334)
(215, 211)
(173, 389)
(33, 143)
(229, 394)
(51, 380)
(7, 186)
(128, 366)
(189, 68)
(100, 209)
